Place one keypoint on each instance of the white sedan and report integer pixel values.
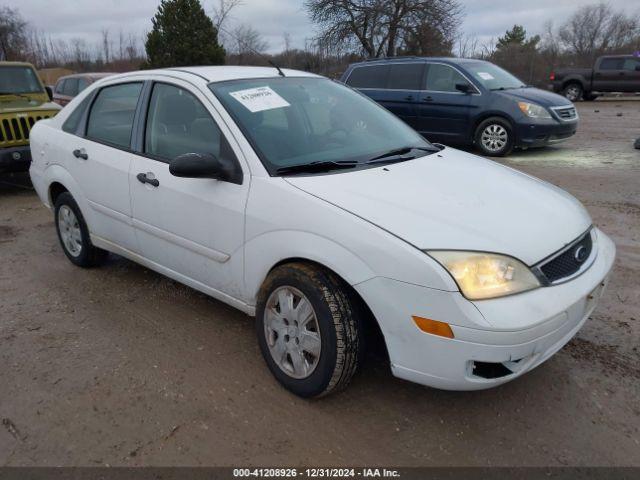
(301, 202)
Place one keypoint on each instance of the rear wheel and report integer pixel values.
(494, 137)
(308, 328)
(572, 92)
(74, 234)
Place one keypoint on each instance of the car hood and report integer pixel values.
(535, 95)
(457, 201)
(11, 104)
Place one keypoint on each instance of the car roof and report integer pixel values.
(219, 73)
(94, 75)
(451, 60)
(16, 64)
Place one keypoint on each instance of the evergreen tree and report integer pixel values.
(517, 36)
(183, 35)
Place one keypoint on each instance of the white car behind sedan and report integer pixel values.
(306, 205)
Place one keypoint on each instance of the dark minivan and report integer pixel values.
(465, 101)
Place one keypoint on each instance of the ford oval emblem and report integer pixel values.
(581, 254)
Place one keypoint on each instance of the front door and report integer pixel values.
(443, 110)
(192, 227)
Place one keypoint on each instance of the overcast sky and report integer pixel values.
(68, 19)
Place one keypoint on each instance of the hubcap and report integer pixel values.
(69, 231)
(572, 93)
(292, 333)
(494, 137)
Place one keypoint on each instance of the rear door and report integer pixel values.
(443, 110)
(631, 68)
(403, 90)
(608, 75)
(191, 226)
(99, 162)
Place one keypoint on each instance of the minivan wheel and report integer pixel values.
(572, 92)
(494, 137)
(74, 234)
(308, 328)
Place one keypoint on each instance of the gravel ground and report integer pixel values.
(120, 366)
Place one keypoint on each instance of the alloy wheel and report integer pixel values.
(494, 137)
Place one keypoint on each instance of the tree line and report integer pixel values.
(183, 33)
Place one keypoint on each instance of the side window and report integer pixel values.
(70, 87)
(60, 86)
(631, 64)
(72, 122)
(374, 76)
(82, 84)
(406, 76)
(111, 116)
(443, 78)
(178, 123)
(611, 64)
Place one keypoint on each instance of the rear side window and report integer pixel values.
(443, 78)
(72, 122)
(70, 87)
(177, 123)
(374, 76)
(405, 76)
(611, 64)
(111, 116)
(631, 64)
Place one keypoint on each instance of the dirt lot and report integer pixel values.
(121, 366)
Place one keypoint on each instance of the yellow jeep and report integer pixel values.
(23, 101)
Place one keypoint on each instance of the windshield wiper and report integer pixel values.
(319, 166)
(400, 154)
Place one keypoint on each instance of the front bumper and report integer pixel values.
(532, 135)
(15, 159)
(516, 333)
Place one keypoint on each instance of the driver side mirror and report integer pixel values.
(49, 91)
(205, 165)
(463, 87)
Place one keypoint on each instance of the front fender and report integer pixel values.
(265, 251)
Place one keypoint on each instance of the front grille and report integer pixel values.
(18, 129)
(569, 261)
(566, 114)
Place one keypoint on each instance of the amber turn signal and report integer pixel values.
(433, 327)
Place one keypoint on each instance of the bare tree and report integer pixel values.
(13, 39)
(384, 27)
(222, 11)
(595, 29)
(248, 43)
(106, 45)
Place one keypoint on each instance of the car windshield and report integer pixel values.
(493, 77)
(299, 124)
(18, 80)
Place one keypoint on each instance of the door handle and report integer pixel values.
(81, 153)
(408, 98)
(427, 99)
(142, 178)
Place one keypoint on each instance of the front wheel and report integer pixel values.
(308, 329)
(494, 137)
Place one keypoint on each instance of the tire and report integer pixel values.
(335, 320)
(494, 137)
(73, 234)
(589, 97)
(572, 91)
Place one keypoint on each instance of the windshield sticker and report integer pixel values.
(259, 99)
(485, 76)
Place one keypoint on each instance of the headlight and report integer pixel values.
(534, 110)
(486, 275)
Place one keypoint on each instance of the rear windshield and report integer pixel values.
(19, 80)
